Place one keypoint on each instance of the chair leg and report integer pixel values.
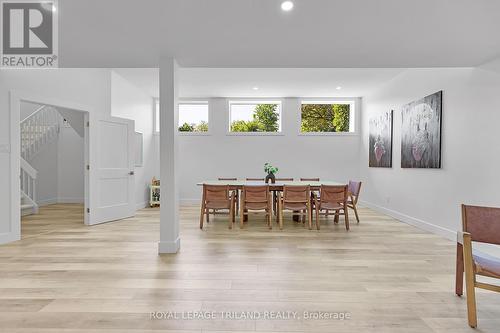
(242, 216)
(355, 212)
(317, 217)
(309, 216)
(231, 214)
(336, 218)
(346, 216)
(459, 273)
(237, 201)
(470, 291)
(280, 209)
(208, 215)
(202, 212)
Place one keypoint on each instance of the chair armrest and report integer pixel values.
(463, 236)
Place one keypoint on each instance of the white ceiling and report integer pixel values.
(271, 82)
(256, 33)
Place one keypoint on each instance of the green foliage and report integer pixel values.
(325, 118)
(245, 126)
(265, 119)
(186, 128)
(202, 126)
(341, 117)
(268, 168)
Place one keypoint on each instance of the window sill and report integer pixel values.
(255, 134)
(194, 133)
(328, 134)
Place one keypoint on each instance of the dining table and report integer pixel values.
(277, 186)
(273, 187)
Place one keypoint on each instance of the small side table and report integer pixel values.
(154, 195)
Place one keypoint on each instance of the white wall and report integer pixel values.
(70, 166)
(127, 101)
(202, 157)
(89, 87)
(470, 149)
(46, 163)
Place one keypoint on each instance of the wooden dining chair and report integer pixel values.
(482, 225)
(275, 195)
(353, 195)
(235, 190)
(297, 199)
(255, 179)
(332, 198)
(215, 198)
(256, 199)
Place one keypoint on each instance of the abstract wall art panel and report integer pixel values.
(380, 140)
(421, 133)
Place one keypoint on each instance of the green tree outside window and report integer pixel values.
(325, 118)
(265, 119)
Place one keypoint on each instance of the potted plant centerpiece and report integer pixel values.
(271, 171)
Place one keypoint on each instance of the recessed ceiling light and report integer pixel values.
(338, 88)
(255, 88)
(287, 6)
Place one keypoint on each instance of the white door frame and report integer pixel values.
(16, 97)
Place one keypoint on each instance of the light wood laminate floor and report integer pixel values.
(390, 277)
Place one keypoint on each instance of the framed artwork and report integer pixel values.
(380, 140)
(421, 132)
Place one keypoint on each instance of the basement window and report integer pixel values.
(193, 117)
(255, 117)
(327, 117)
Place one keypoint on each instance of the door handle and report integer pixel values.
(131, 173)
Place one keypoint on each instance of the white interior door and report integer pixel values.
(112, 188)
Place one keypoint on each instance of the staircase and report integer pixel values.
(38, 129)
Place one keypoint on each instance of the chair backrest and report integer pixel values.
(354, 188)
(216, 192)
(483, 223)
(256, 194)
(284, 179)
(230, 178)
(309, 179)
(255, 179)
(299, 194)
(333, 193)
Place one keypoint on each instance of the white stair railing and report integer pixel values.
(38, 129)
(28, 183)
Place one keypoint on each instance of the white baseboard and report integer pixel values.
(71, 200)
(53, 201)
(435, 229)
(9, 237)
(169, 247)
(46, 202)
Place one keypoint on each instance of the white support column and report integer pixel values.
(169, 172)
